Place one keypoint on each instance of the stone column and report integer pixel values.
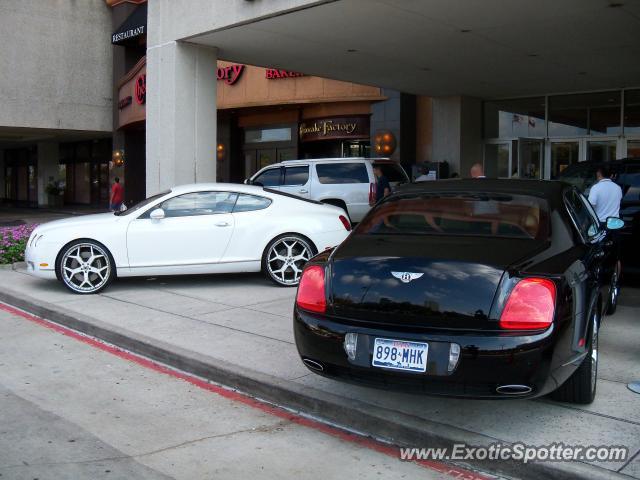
(181, 115)
(48, 170)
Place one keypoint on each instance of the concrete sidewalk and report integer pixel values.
(236, 330)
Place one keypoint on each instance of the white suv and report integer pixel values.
(348, 183)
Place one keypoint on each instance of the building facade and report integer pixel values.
(55, 103)
(526, 88)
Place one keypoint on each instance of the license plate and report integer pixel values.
(400, 355)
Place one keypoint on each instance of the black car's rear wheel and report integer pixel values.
(581, 386)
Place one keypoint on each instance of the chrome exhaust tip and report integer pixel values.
(513, 390)
(313, 365)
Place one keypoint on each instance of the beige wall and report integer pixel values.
(254, 89)
(55, 65)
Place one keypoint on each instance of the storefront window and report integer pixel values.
(584, 114)
(563, 154)
(633, 148)
(262, 135)
(522, 117)
(601, 151)
(632, 111)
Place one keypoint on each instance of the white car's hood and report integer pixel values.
(82, 221)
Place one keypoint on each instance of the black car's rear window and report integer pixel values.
(472, 214)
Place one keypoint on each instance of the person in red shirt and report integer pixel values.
(117, 195)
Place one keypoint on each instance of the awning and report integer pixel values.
(133, 27)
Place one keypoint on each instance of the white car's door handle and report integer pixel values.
(302, 190)
(223, 224)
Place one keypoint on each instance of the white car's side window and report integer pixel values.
(199, 203)
(249, 203)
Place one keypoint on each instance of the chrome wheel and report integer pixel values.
(85, 267)
(286, 258)
(594, 353)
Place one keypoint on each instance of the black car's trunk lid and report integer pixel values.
(423, 280)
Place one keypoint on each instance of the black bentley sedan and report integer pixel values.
(474, 288)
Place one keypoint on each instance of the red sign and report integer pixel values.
(272, 74)
(229, 74)
(141, 89)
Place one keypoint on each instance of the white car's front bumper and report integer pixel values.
(40, 263)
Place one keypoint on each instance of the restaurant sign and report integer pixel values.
(334, 128)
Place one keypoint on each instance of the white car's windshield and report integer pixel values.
(143, 203)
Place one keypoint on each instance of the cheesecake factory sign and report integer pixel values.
(334, 128)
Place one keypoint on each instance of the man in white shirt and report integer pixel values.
(606, 195)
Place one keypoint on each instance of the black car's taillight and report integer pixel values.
(311, 294)
(530, 306)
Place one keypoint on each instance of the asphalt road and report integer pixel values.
(70, 410)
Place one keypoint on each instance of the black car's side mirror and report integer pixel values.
(614, 223)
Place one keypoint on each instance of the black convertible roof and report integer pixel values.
(549, 189)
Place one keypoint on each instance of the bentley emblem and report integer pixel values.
(406, 277)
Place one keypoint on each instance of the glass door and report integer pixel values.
(563, 154)
(530, 155)
(497, 159)
(601, 150)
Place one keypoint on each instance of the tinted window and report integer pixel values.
(342, 173)
(249, 203)
(296, 175)
(490, 214)
(199, 203)
(581, 175)
(393, 172)
(630, 183)
(268, 178)
(583, 215)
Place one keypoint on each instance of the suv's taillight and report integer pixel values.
(311, 295)
(531, 305)
(345, 221)
(372, 194)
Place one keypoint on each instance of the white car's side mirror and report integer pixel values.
(157, 214)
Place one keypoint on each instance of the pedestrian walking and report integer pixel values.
(605, 195)
(383, 187)
(117, 195)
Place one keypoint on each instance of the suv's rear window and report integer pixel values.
(483, 214)
(393, 172)
(333, 173)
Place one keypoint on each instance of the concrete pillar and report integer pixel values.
(181, 115)
(457, 132)
(48, 169)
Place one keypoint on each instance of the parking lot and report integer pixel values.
(240, 327)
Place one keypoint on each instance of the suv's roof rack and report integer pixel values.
(338, 159)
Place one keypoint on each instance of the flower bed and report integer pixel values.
(13, 241)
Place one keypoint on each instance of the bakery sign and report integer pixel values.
(334, 128)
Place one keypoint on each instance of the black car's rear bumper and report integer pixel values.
(486, 362)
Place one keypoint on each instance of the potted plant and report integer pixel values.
(54, 193)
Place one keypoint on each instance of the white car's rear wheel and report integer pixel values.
(85, 266)
(285, 257)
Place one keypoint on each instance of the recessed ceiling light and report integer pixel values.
(616, 4)
(351, 50)
(425, 69)
(465, 30)
(532, 54)
(582, 73)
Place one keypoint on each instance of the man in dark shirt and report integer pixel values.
(383, 187)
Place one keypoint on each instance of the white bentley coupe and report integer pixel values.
(202, 228)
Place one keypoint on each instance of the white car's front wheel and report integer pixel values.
(85, 266)
(285, 257)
